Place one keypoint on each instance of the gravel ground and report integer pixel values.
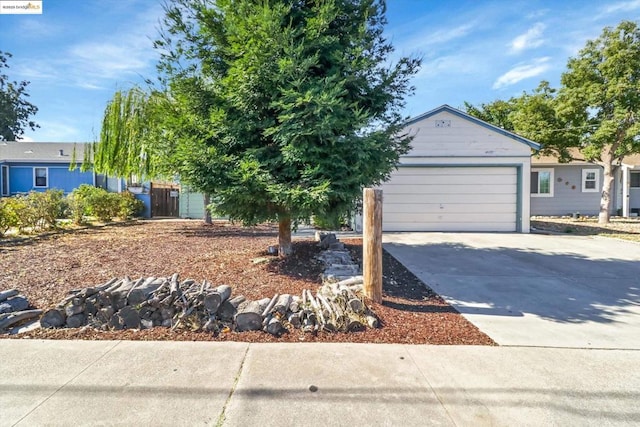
(44, 269)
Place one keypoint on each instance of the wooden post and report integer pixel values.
(372, 243)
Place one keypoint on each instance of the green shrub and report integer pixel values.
(25, 213)
(8, 216)
(77, 207)
(130, 207)
(87, 200)
(47, 207)
(104, 205)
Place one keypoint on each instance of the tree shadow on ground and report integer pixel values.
(401, 289)
(562, 287)
(227, 229)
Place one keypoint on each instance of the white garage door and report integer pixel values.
(451, 199)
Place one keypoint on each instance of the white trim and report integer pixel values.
(551, 182)
(625, 191)
(596, 173)
(5, 184)
(46, 176)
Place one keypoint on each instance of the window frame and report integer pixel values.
(551, 182)
(585, 172)
(633, 173)
(4, 176)
(35, 177)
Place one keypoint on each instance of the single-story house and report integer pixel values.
(576, 187)
(31, 166)
(39, 166)
(461, 174)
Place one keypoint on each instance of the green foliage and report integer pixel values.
(87, 200)
(47, 207)
(8, 215)
(31, 212)
(600, 94)
(281, 110)
(595, 115)
(104, 205)
(284, 109)
(130, 207)
(15, 110)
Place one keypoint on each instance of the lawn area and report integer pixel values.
(619, 228)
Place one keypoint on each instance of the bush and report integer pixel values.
(46, 207)
(8, 216)
(104, 205)
(130, 207)
(24, 211)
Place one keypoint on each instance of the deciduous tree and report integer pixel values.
(15, 110)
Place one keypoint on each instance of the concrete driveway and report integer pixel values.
(530, 289)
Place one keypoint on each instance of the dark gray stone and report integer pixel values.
(17, 303)
(130, 318)
(76, 321)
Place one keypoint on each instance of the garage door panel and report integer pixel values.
(451, 199)
(468, 199)
(449, 226)
(461, 189)
(450, 217)
(496, 179)
(451, 170)
(422, 208)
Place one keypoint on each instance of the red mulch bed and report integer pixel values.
(45, 268)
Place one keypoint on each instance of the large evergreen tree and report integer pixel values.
(279, 109)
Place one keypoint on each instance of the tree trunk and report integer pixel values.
(284, 236)
(207, 212)
(605, 200)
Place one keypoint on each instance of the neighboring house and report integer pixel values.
(462, 174)
(576, 187)
(40, 166)
(30, 166)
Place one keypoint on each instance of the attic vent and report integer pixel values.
(60, 153)
(28, 152)
(443, 123)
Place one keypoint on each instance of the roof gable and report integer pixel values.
(475, 120)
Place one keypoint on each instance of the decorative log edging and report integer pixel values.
(188, 304)
(14, 309)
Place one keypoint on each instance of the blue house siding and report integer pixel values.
(21, 178)
(568, 196)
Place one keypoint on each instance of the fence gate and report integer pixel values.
(165, 200)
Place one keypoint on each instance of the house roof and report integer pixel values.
(633, 160)
(475, 120)
(49, 152)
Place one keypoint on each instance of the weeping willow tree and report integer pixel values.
(126, 138)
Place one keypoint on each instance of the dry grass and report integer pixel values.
(619, 228)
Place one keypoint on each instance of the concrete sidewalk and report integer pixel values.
(240, 384)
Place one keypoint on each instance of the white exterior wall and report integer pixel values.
(459, 142)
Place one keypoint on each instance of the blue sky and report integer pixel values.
(77, 53)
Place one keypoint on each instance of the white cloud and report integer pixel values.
(430, 38)
(529, 40)
(623, 6)
(522, 71)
